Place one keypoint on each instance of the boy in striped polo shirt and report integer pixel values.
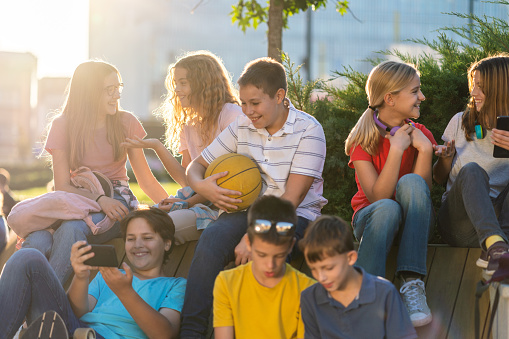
(289, 147)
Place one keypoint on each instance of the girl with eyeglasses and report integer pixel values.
(201, 103)
(88, 132)
(392, 156)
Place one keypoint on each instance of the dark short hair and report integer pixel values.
(326, 236)
(159, 220)
(272, 208)
(266, 74)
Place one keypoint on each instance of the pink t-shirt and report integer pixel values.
(360, 200)
(190, 139)
(99, 155)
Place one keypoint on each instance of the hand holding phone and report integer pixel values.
(104, 256)
(500, 137)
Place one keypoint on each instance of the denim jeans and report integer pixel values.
(28, 288)
(57, 247)
(215, 249)
(469, 215)
(4, 233)
(409, 217)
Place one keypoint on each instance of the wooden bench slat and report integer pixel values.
(462, 324)
(187, 258)
(442, 286)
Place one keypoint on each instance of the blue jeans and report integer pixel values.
(468, 214)
(409, 217)
(28, 288)
(57, 247)
(4, 233)
(214, 251)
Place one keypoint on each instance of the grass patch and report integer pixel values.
(170, 187)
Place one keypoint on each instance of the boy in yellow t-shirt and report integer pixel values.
(261, 299)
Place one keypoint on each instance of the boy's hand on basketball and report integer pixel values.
(446, 150)
(138, 142)
(113, 208)
(401, 139)
(242, 254)
(117, 281)
(80, 252)
(217, 195)
(420, 141)
(500, 138)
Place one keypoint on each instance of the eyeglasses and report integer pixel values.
(113, 88)
(263, 226)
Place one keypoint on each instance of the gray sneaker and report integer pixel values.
(414, 297)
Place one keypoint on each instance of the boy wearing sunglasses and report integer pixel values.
(347, 302)
(261, 299)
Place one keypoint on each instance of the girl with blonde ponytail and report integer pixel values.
(392, 157)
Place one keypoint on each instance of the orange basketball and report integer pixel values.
(243, 176)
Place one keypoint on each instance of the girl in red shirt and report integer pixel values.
(392, 157)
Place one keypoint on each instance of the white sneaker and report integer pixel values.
(414, 297)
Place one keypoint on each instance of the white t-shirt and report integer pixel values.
(298, 147)
(190, 139)
(479, 151)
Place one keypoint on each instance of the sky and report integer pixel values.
(55, 31)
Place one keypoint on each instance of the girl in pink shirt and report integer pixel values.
(88, 132)
(201, 102)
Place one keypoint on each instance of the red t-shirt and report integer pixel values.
(360, 200)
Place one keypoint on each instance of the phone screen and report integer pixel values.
(502, 124)
(105, 255)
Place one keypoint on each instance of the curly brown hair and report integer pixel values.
(211, 89)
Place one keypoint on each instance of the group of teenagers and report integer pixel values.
(263, 296)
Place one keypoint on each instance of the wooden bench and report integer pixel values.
(450, 284)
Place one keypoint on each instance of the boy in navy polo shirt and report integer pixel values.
(288, 146)
(347, 302)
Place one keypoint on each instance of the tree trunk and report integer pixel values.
(275, 33)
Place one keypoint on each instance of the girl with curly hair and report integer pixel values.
(200, 103)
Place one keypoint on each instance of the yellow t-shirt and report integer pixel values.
(257, 311)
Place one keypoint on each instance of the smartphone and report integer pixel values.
(502, 124)
(105, 255)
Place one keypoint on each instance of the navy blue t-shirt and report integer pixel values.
(377, 312)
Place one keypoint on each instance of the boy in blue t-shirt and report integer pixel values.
(136, 302)
(347, 302)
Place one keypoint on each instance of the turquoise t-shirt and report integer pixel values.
(110, 318)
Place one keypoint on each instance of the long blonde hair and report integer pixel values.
(494, 74)
(81, 109)
(211, 88)
(387, 77)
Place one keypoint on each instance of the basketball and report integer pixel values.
(243, 176)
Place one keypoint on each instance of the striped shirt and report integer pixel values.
(298, 147)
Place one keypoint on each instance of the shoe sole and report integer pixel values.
(482, 263)
(48, 326)
(422, 322)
